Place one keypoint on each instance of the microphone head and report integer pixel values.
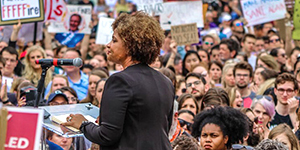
(77, 62)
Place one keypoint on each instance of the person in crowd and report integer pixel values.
(188, 102)
(259, 45)
(77, 79)
(70, 94)
(280, 57)
(57, 98)
(207, 42)
(219, 128)
(268, 144)
(228, 49)
(186, 119)
(267, 61)
(241, 56)
(215, 72)
(275, 41)
(87, 69)
(248, 43)
(292, 58)
(237, 28)
(24, 87)
(202, 68)
(196, 85)
(33, 71)
(286, 88)
(235, 97)
(58, 81)
(264, 75)
(57, 141)
(99, 90)
(180, 87)
(204, 55)
(215, 53)
(60, 51)
(284, 134)
(185, 142)
(264, 109)
(243, 74)
(138, 88)
(102, 58)
(214, 97)
(191, 58)
(227, 75)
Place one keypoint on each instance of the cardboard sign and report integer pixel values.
(296, 17)
(55, 10)
(25, 10)
(185, 34)
(24, 127)
(150, 7)
(77, 20)
(104, 31)
(177, 13)
(261, 11)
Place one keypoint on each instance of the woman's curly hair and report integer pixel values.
(184, 142)
(232, 123)
(141, 34)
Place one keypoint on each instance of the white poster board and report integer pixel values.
(77, 20)
(55, 10)
(258, 12)
(177, 13)
(153, 7)
(104, 31)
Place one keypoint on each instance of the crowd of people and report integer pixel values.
(238, 88)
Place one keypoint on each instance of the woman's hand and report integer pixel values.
(22, 101)
(74, 121)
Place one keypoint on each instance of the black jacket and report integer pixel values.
(136, 111)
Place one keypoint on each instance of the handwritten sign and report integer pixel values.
(177, 13)
(78, 19)
(296, 18)
(24, 128)
(25, 10)
(261, 11)
(150, 7)
(185, 34)
(104, 31)
(55, 10)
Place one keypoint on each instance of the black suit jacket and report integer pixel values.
(136, 111)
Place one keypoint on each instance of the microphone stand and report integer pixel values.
(41, 84)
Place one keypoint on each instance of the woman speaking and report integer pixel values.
(137, 103)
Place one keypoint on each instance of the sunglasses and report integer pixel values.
(264, 97)
(238, 146)
(239, 24)
(207, 43)
(183, 123)
(275, 40)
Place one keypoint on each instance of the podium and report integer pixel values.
(54, 115)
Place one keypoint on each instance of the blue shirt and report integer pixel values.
(81, 87)
(69, 39)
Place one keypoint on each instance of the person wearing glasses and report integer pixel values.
(264, 109)
(237, 28)
(280, 57)
(196, 85)
(286, 88)
(207, 42)
(243, 74)
(186, 119)
(248, 43)
(275, 41)
(57, 98)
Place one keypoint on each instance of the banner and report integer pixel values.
(26, 11)
(153, 7)
(104, 31)
(55, 10)
(258, 12)
(185, 34)
(296, 18)
(177, 13)
(77, 20)
(24, 128)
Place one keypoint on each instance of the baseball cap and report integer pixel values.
(55, 94)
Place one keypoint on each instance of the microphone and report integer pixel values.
(60, 62)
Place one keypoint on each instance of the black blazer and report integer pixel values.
(136, 111)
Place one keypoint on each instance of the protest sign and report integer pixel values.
(150, 7)
(24, 128)
(261, 11)
(111, 3)
(296, 17)
(177, 13)
(55, 10)
(77, 20)
(104, 31)
(26, 11)
(185, 34)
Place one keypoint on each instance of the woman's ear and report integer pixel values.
(226, 139)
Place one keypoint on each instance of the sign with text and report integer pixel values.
(185, 34)
(25, 10)
(24, 128)
(150, 7)
(77, 20)
(177, 13)
(261, 11)
(104, 31)
(55, 10)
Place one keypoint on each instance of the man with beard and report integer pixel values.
(237, 28)
(286, 88)
(196, 85)
(243, 74)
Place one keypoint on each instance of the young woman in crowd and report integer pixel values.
(71, 94)
(215, 72)
(235, 97)
(95, 76)
(227, 75)
(188, 102)
(204, 55)
(99, 90)
(214, 97)
(267, 61)
(284, 134)
(191, 58)
(186, 119)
